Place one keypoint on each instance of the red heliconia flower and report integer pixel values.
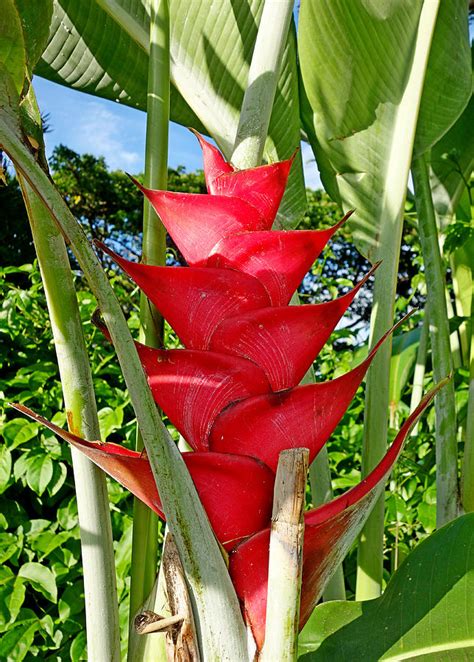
(233, 392)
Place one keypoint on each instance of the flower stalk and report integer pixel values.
(145, 523)
(286, 557)
(213, 597)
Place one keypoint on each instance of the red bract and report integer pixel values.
(301, 417)
(284, 340)
(197, 223)
(233, 393)
(195, 300)
(236, 508)
(262, 187)
(278, 259)
(214, 163)
(329, 533)
(194, 387)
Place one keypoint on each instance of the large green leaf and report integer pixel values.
(211, 48)
(364, 71)
(426, 612)
(364, 86)
(23, 33)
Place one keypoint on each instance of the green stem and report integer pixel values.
(219, 623)
(145, 523)
(262, 83)
(102, 622)
(468, 462)
(446, 444)
(390, 221)
(420, 368)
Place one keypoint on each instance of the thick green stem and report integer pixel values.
(145, 523)
(370, 551)
(102, 622)
(420, 368)
(262, 83)
(219, 623)
(446, 444)
(468, 462)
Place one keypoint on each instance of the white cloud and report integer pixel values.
(311, 172)
(103, 133)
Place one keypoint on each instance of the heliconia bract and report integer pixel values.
(233, 392)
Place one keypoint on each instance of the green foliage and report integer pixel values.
(41, 592)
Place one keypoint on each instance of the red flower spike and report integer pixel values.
(283, 341)
(193, 387)
(303, 417)
(195, 300)
(329, 532)
(278, 259)
(236, 508)
(197, 221)
(214, 163)
(262, 187)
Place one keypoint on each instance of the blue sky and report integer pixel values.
(104, 128)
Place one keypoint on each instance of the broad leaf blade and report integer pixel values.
(427, 610)
(356, 64)
(449, 62)
(211, 49)
(452, 162)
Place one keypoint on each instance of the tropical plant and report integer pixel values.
(239, 79)
(233, 392)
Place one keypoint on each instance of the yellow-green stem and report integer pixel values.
(447, 493)
(145, 523)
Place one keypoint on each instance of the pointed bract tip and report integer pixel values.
(136, 182)
(390, 332)
(105, 249)
(99, 323)
(293, 156)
